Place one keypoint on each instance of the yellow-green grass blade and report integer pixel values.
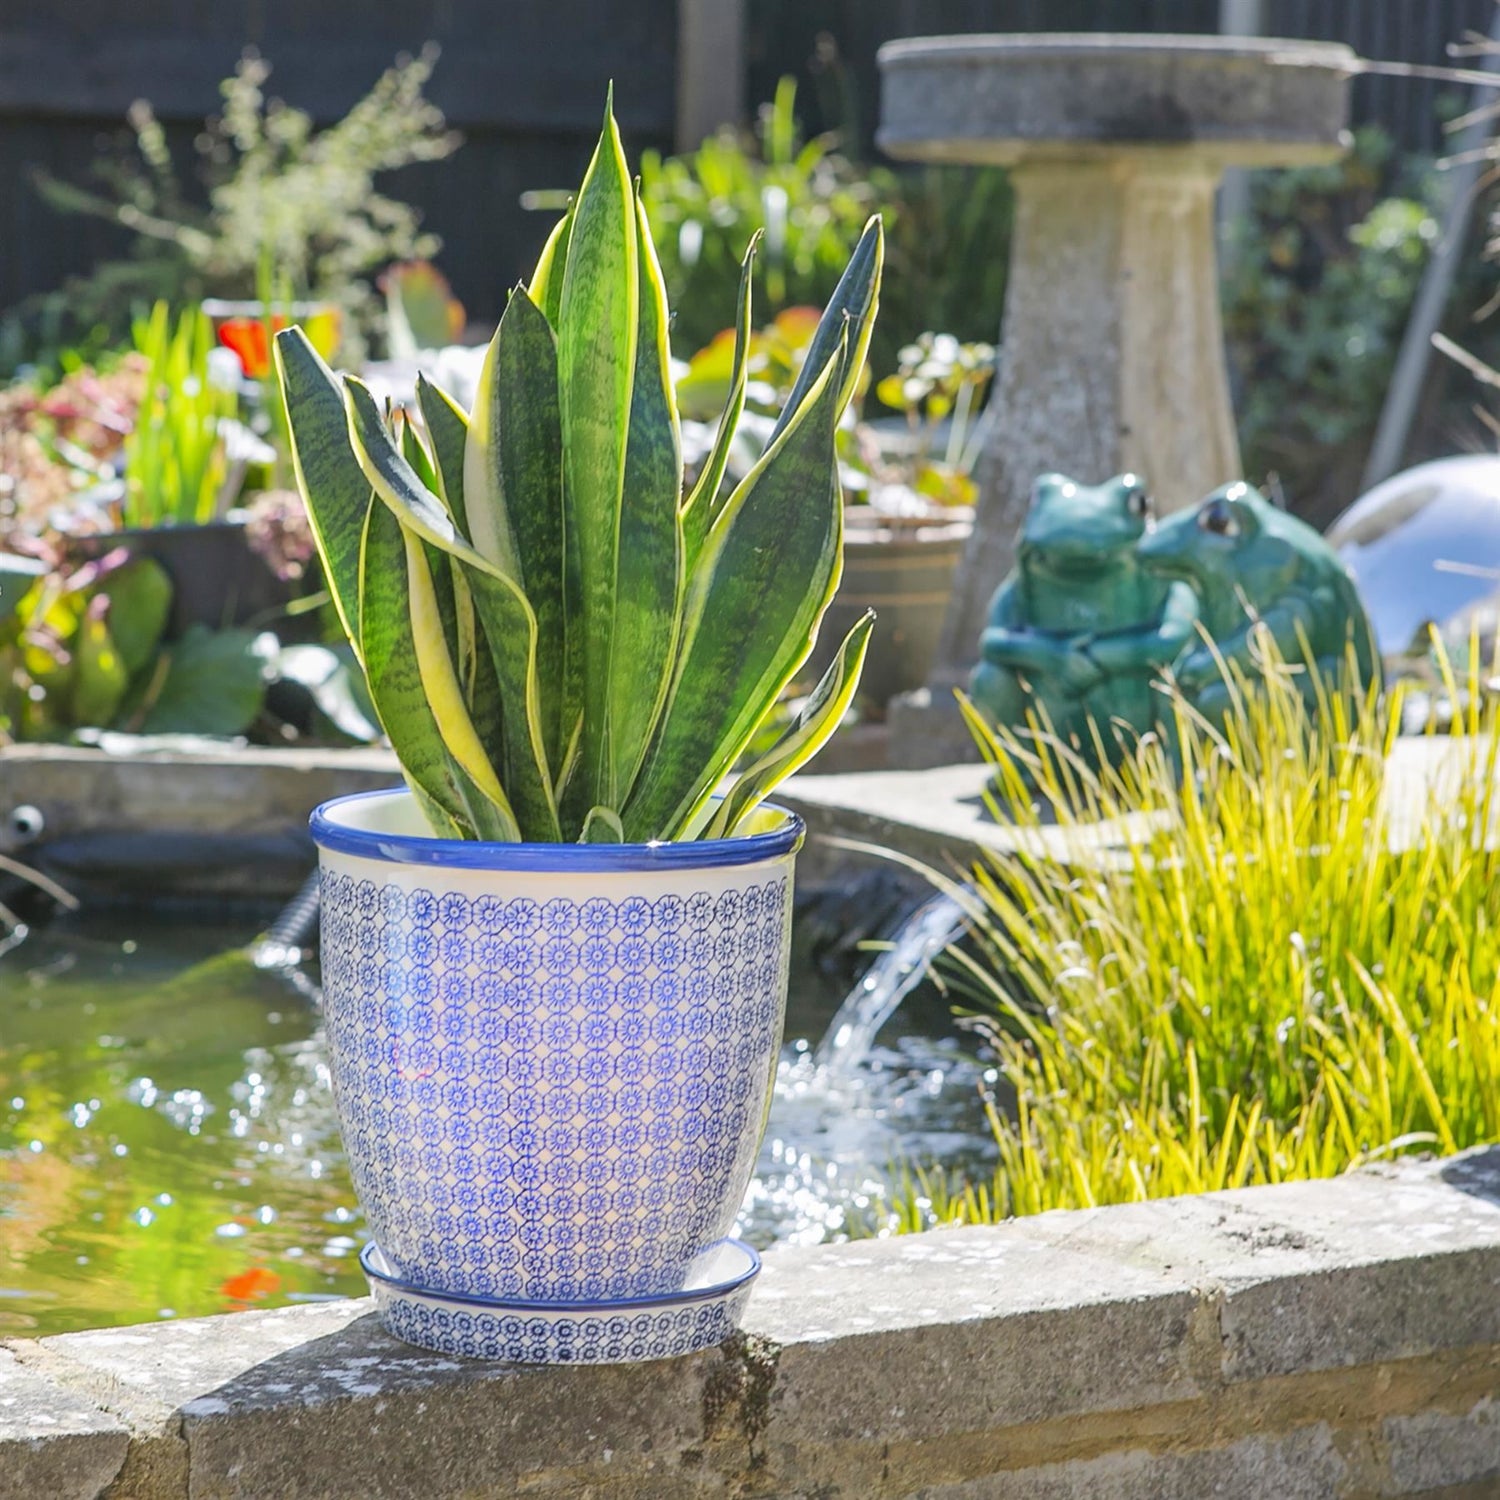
(547, 280)
(448, 432)
(400, 693)
(524, 484)
(507, 621)
(596, 362)
(773, 557)
(804, 737)
(702, 505)
(846, 324)
(333, 485)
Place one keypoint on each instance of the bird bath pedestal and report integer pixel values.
(1112, 353)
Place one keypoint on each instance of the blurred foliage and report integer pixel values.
(941, 381)
(421, 311)
(275, 193)
(57, 442)
(703, 208)
(84, 650)
(947, 232)
(176, 469)
(1320, 285)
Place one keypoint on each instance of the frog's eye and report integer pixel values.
(1138, 502)
(1219, 519)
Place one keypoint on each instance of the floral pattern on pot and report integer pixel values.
(552, 1087)
(540, 1334)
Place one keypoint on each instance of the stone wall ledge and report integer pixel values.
(1329, 1339)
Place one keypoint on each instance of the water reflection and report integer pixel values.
(168, 1145)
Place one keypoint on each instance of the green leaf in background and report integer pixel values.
(213, 685)
(772, 558)
(176, 469)
(813, 726)
(421, 310)
(331, 677)
(100, 676)
(333, 486)
(140, 600)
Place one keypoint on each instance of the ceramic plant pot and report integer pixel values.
(551, 1062)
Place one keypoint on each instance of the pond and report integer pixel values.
(168, 1145)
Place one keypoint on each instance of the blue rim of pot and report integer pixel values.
(464, 854)
(614, 1305)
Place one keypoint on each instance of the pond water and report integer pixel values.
(168, 1146)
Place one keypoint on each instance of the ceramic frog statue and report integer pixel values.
(1256, 569)
(1080, 629)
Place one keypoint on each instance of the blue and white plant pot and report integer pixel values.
(552, 1063)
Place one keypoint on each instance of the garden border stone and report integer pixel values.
(1336, 1338)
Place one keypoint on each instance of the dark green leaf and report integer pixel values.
(213, 685)
(772, 558)
(334, 490)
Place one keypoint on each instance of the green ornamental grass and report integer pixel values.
(561, 643)
(1293, 970)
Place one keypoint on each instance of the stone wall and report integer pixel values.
(1335, 1339)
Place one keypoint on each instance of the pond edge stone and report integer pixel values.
(1321, 1338)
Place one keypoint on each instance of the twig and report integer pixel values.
(64, 898)
(1485, 374)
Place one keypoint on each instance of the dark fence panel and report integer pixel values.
(831, 44)
(524, 82)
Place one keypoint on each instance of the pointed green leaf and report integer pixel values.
(484, 505)
(649, 569)
(702, 505)
(773, 557)
(854, 303)
(334, 489)
(547, 280)
(440, 682)
(397, 689)
(596, 361)
(414, 451)
(506, 618)
(804, 737)
(448, 432)
(523, 484)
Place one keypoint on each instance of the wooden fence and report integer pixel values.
(524, 82)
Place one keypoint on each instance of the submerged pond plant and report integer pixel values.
(1293, 969)
(560, 644)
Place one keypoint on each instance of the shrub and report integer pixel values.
(286, 205)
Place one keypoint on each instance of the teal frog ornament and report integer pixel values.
(1080, 630)
(1258, 572)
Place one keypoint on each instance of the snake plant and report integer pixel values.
(560, 642)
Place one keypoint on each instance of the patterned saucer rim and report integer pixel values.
(331, 830)
(373, 1263)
